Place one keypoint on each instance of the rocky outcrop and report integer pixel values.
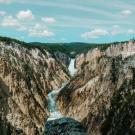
(27, 75)
(64, 126)
(101, 95)
(125, 49)
(62, 58)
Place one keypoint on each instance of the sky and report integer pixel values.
(92, 21)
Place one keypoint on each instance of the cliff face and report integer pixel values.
(62, 58)
(26, 77)
(102, 94)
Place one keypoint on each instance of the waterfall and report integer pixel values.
(52, 107)
(71, 67)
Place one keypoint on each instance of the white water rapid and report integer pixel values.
(54, 113)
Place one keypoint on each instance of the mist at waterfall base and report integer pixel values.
(54, 113)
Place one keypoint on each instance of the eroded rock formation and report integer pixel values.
(102, 94)
(26, 76)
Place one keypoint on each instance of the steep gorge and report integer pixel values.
(58, 124)
(100, 96)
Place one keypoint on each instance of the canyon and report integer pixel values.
(48, 92)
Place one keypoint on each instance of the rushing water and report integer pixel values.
(71, 67)
(54, 113)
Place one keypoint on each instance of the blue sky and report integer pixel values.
(93, 21)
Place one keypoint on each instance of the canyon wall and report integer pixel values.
(27, 75)
(102, 93)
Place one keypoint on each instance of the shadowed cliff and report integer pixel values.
(64, 126)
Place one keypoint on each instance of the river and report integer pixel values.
(54, 113)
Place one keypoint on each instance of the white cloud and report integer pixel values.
(115, 30)
(116, 26)
(44, 33)
(40, 30)
(2, 13)
(25, 15)
(96, 33)
(126, 12)
(9, 21)
(22, 28)
(5, 1)
(130, 31)
(48, 20)
(39, 26)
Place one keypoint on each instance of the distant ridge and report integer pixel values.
(68, 48)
